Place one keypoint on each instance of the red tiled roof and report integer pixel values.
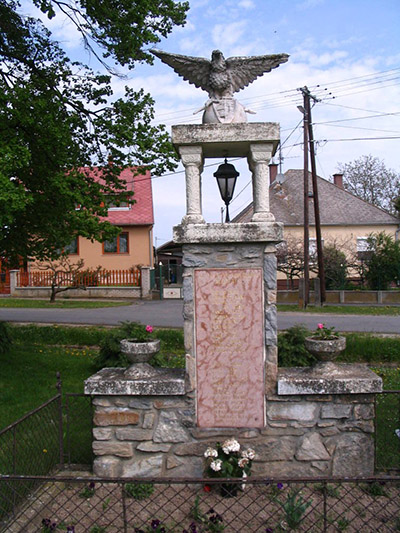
(141, 212)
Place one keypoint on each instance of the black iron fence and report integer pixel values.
(193, 506)
(57, 435)
(387, 421)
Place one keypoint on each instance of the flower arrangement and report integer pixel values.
(226, 460)
(139, 333)
(324, 333)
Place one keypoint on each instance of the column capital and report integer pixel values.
(260, 153)
(192, 155)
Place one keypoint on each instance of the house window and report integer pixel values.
(118, 245)
(312, 246)
(73, 247)
(114, 203)
(363, 251)
(362, 244)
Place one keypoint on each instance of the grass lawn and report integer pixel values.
(60, 304)
(343, 309)
(28, 373)
(28, 370)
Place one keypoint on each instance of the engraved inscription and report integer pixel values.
(229, 347)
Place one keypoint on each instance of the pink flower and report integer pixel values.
(320, 326)
(149, 329)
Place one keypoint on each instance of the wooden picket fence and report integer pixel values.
(102, 278)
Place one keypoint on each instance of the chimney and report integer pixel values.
(273, 171)
(338, 180)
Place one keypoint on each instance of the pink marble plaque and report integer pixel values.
(229, 347)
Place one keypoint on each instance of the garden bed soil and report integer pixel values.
(259, 508)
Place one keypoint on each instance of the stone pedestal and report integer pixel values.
(315, 425)
(300, 422)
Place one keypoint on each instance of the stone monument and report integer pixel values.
(299, 422)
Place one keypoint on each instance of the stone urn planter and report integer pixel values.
(325, 350)
(139, 351)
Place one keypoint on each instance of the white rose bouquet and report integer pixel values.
(227, 460)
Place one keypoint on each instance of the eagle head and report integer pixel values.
(217, 55)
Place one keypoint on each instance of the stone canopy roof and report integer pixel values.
(338, 207)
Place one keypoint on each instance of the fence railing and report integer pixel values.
(194, 506)
(387, 421)
(102, 278)
(56, 434)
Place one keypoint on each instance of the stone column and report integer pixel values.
(145, 290)
(192, 160)
(258, 159)
(13, 281)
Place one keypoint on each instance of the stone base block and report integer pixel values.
(305, 434)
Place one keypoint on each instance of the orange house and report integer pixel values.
(134, 245)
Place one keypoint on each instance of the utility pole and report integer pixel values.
(306, 286)
(321, 271)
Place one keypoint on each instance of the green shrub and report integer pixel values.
(56, 334)
(139, 491)
(291, 349)
(5, 337)
(110, 351)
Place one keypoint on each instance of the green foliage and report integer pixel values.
(59, 304)
(171, 345)
(331, 490)
(98, 529)
(88, 491)
(342, 524)
(110, 351)
(373, 488)
(5, 338)
(210, 521)
(369, 348)
(61, 123)
(124, 29)
(139, 491)
(383, 265)
(324, 333)
(294, 508)
(335, 264)
(172, 339)
(291, 349)
(55, 334)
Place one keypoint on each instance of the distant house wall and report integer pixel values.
(140, 251)
(345, 237)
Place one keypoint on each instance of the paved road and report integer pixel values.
(168, 313)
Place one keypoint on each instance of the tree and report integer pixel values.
(335, 264)
(66, 275)
(369, 179)
(290, 258)
(383, 265)
(59, 122)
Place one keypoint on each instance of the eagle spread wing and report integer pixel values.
(195, 70)
(244, 70)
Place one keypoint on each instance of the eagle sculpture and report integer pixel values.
(221, 78)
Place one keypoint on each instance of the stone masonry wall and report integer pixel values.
(305, 436)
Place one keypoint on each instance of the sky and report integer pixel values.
(347, 52)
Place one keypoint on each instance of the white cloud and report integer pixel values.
(225, 35)
(309, 4)
(246, 4)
